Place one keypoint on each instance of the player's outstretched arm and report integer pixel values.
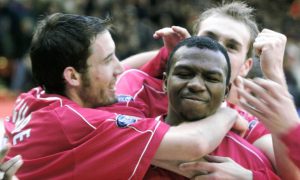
(192, 140)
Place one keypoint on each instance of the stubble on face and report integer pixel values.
(92, 97)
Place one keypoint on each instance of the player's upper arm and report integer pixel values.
(265, 144)
(183, 146)
(136, 61)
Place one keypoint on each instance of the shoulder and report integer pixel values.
(132, 81)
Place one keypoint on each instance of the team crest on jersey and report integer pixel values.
(124, 120)
(252, 123)
(124, 98)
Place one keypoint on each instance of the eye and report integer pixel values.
(214, 78)
(108, 60)
(231, 47)
(184, 75)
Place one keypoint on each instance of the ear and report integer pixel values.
(71, 76)
(246, 67)
(227, 90)
(165, 82)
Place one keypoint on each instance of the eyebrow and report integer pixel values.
(214, 72)
(235, 42)
(210, 34)
(190, 68)
(108, 56)
(214, 36)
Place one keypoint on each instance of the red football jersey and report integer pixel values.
(141, 89)
(293, 144)
(58, 139)
(256, 128)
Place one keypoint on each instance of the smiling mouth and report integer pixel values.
(112, 90)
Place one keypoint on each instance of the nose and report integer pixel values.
(222, 43)
(196, 84)
(118, 68)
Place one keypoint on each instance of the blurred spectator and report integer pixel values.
(291, 70)
(255, 71)
(17, 24)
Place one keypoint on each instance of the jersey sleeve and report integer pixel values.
(143, 94)
(293, 144)
(156, 66)
(255, 131)
(264, 174)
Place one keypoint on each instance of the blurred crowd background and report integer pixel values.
(134, 23)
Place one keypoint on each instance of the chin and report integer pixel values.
(110, 102)
(107, 102)
(193, 117)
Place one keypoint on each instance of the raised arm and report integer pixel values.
(138, 60)
(154, 63)
(270, 100)
(270, 46)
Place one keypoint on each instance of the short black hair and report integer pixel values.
(201, 43)
(63, 40)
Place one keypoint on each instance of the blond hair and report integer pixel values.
(238, 11)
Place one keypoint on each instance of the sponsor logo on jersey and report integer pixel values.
(252, 123)
(124, 98)
(124, 120)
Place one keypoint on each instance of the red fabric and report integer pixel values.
(256, 128)
(295, 9)
(263, 174)
(156, 173)
(60, 140)
(145, 91)
(156, 66)
(291, 140)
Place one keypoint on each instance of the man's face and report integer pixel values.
(196, 83)
(98, 83)
(234, 36)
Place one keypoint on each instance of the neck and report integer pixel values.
(73, 95)
(233, 96)
(173, 118)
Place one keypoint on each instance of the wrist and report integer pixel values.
(290, 127)
(228, 114)
(247, 175)
(277, 75)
